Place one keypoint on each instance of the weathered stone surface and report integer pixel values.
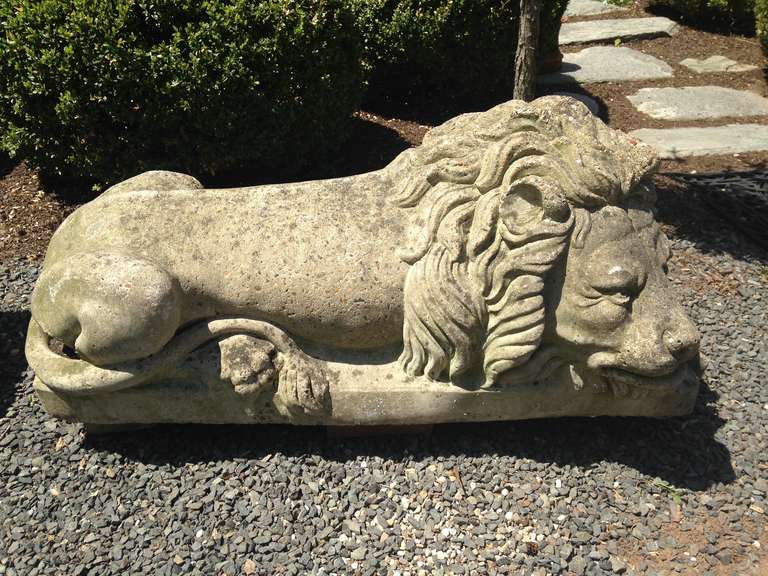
(607, 64)
(590, 103)
(716, 63)
(610, 30)
(698, 102)
(590, 8)
(684, 142)
(436, 289)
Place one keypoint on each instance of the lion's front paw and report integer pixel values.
(248, 363)
(303, 385)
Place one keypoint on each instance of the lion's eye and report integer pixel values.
(617, 280)
(617, 284)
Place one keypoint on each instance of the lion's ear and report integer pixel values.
(529, 202)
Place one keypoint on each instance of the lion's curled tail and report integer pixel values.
(74, 376)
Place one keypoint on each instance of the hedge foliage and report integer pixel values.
(461, 50)
(103, 89)
(725, 15)
(761, 23)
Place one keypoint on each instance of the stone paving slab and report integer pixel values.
(698, 102)
(590, 8)
(716, 63)
(607, 64)
(686, 142)
(609, 30)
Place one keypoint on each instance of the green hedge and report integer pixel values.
(446, 53)
(761, 23)
(740, 16)
(103, 89)
(726, 15)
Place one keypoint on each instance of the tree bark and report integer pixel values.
(527, 41)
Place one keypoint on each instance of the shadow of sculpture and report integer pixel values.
(717, 217)
(370, 147)
(13, 327)
(681, 451)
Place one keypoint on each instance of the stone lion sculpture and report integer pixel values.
(513, 255)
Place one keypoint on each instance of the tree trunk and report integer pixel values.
(527, 41)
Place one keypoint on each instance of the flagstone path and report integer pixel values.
(684, 142)
(610, 30)
(590, 8)
(698, 103)
(598, 61)
(607, 64)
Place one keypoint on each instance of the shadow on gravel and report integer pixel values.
(682, 451)
(13, 365)
(716, 221)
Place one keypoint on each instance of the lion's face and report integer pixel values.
(611, 312)
(534, 246)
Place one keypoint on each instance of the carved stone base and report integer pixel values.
(375, 394)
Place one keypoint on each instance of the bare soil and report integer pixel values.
(28, 214)
(687, 545)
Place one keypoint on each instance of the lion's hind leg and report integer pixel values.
(108, 307)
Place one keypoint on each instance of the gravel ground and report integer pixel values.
(568, 496)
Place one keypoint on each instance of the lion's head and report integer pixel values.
(532, 245)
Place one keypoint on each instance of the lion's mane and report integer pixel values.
(478, 247)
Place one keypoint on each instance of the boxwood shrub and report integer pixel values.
(103, 89)
(761, 23)
(444, 55)
(721, 15)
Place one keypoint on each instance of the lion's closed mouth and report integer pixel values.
(623, 381)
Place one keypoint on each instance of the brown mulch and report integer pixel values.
(28, 215)
(411, 132)
(703, 164)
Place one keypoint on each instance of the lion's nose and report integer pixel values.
(682, 338)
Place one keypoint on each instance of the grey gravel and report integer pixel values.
(570, 496)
